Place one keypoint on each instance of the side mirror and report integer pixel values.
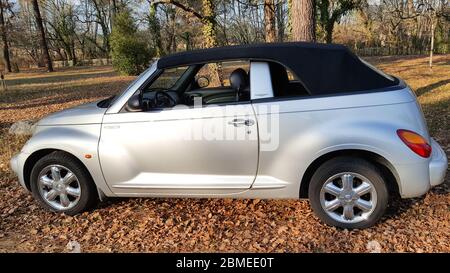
(135, 102)
(203, 81)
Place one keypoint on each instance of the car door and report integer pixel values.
(210, 150)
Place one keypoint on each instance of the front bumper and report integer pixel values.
(17, 163)
(438, 164)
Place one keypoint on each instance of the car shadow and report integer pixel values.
(398, 206)
(111, 201)
(422, 90)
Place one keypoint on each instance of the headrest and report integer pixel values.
(239, 79)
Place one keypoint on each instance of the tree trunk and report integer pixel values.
(303, 20)
(209, 24)
(329, 32)
(431, 43)
(74, 54)
(173, 19)
(104, 26)
(155, 28)
(269, 21)
(289, 20)
(187, 40)
(224, 28)
(170, 28)
(44, 46)
(210, 35)
(105, 32)
(61, 55)
(113, 13)
(280, 22)
(4, 40)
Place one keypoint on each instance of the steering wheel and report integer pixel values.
(166, 100)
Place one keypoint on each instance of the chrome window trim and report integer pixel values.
(125, 96)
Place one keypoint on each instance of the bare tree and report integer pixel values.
(62, 28)
(103, 18)
(40, 26)
(331, 11)
(280, 16)
(3, 6)
(207, 17)
(155, 28)
(80, 30)
(209, 23)
(434, 13)
(269, 21)
(303, 20)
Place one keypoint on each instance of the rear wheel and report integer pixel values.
(61, 184)
(348, 193)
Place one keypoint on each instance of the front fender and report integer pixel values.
(78, 140)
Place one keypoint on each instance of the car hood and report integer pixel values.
(88, 113)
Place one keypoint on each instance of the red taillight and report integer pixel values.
(415, 142)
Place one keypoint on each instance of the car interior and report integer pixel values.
(185, 85)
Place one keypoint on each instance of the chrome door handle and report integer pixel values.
(240, 122)
(249, 122)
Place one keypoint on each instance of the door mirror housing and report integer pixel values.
(135, 102)
(203, 81)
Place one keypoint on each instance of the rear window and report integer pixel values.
(389, 77)
(285, 83)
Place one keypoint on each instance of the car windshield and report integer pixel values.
(168, 79)
(144, 75)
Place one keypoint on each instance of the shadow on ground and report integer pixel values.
(422, 90)
(63, 76)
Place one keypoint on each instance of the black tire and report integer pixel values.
(354, 165)
(88, 197)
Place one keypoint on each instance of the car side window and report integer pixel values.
(222, 82)
(162, 92)
(213, 75)
(285, 83)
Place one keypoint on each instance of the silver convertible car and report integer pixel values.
(287, 120)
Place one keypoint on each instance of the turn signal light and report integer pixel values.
(415, 142)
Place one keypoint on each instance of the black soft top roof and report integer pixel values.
(322, 68)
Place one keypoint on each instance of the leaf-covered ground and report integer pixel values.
(175, 225)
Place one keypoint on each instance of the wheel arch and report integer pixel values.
(37, 155)
(387, 169)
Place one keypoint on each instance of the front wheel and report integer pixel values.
(348, 193)
(61, 184)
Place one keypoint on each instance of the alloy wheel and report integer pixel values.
(348, 197)
(59, 187)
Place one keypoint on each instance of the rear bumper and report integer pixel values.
(438, 164)
(416, 179)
